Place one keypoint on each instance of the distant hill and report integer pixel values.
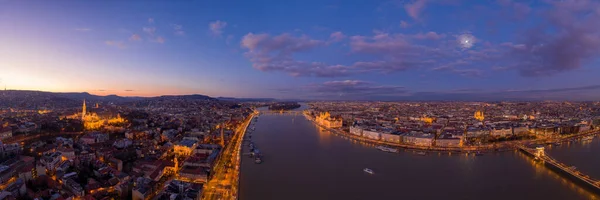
(189, 97)
(246, 99)
(39, 98)
(91, 97)
(79, 96)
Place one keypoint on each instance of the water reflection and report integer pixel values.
(542, 171)
(312, 163)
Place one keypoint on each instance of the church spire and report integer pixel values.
(83, 111)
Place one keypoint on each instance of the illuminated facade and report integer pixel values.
(325, 119)
(91, 121)
(479, 116)
(427, 120)
(184, 147)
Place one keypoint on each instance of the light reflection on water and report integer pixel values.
(313, 163)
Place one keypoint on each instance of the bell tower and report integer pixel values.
(83, 111)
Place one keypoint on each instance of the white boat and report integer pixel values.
(421, 153)
(370, 171)
(387, 149)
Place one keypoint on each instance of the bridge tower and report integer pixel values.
(539, 152)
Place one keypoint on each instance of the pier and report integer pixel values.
(569, 171)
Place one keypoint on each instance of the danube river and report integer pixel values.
(302, 161)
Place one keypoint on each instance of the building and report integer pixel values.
(194, 174)
(51, 160)
(5, 133)
(206, 148)
(419, 139)
(184, 147)
(177, 189)
(502, 132)
(67, 152)
(372, 134)
(16, 189)
(123, 143)
(447, 140)
(116, 163)
(94, 137)
(520, 130)
(325, 119)
(391, 137)
(74, 187)
(355, 130)
(26, 172)
(142, 188)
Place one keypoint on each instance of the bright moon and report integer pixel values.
(466, 41)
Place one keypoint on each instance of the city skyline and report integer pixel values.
(384, 50)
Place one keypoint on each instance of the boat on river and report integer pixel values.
(421, 153)
(370, 171)
(387, 149)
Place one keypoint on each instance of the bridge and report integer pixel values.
(280, 112)
(570, 171)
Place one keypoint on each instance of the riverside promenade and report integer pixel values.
(502, 146)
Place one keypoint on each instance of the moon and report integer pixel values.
(466, 41)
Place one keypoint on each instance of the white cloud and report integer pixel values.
(217, 27)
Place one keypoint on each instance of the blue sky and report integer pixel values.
(358, 50)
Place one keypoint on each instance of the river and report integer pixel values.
(302, 161)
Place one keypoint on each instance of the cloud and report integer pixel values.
(149, 30)
(151, 20)
(554, 90)
(517, 9)
(117, 44)
(135, 37)
(429, 36)
(381, 43)
(337, 37)
(348, 89)
(178, 29)
(568, 38)
(394, 52)
(415, 8)
(404, 24)
(452, 67)
(567, 93)
(357, 87)
(275, 53)
(83, 29)
(128, 90)
(217, 27)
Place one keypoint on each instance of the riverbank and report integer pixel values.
(498, 147)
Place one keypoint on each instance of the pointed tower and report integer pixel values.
(83, 111)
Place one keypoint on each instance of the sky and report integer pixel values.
(310, 49)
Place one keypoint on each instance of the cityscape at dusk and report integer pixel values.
(299, 100)
(332, 50)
